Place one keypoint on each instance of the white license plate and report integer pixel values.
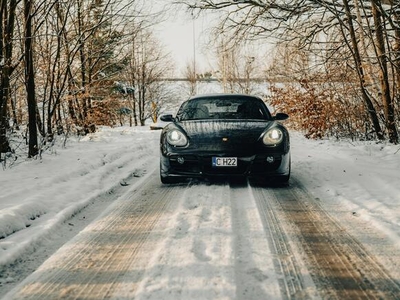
(224, 161)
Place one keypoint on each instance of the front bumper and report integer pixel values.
(200, 165)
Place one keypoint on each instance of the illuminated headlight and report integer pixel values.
(273, 136)
(176, 138)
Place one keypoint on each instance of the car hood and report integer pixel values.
(225, 136)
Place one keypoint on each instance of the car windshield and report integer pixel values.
(239, 108)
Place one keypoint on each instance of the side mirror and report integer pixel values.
(167, 118)
(281, 116)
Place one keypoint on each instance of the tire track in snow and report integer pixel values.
(94, 264)
(339, 265)
(294, 282)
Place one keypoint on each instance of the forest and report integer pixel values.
(69, 66)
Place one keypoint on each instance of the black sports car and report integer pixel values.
(224, 135)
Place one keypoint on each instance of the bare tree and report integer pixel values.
(354, 48)
(310, 21)
(191, 76)
(7, 23)
(147, 64)
(383, 60)
(73, 52)
(323, 100)
(30, 79)
(237, 66)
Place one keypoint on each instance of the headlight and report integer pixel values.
(176, 138)
(273, 136)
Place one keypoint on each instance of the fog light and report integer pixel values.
(270, 159)
(181, 160)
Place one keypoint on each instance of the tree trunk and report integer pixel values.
(141, 104)
(360, 71)
(383, 75)
(30, 80)
(7, 21)
(4, 96)
(396, 50)
(82, 57)
(134, 112)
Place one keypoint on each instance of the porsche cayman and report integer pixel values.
(225, 135)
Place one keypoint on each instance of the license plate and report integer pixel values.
(224, 161)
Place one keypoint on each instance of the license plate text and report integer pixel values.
(224, 161)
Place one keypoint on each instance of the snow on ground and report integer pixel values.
(362, 177)
(38, 195)
(352, 180)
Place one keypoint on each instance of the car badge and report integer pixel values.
(224, 139)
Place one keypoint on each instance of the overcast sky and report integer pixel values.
(186, 38)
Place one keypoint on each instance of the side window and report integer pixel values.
(183, 112)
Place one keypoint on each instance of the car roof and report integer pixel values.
(224, 95)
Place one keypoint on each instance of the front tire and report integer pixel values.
(284, 179)
(281, 180)
(168, 179)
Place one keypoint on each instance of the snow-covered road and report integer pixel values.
(212, 241)
(333, 233)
